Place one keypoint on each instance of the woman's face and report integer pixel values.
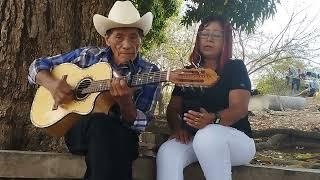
(211, 40)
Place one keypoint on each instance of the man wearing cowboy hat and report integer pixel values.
(109, 142)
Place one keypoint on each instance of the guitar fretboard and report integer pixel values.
(135, 80)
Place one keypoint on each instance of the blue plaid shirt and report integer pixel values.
(145, 97)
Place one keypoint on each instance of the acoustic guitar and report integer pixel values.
(91, 85)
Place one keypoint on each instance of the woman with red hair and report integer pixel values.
(210, 125)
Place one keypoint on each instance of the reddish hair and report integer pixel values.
(226, 53)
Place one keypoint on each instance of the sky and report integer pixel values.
(305, 8)
(310, 8)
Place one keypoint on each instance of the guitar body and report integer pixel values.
(57, 122)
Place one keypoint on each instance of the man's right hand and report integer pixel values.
(182, 136)
(61, 92)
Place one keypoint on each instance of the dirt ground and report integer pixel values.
(307, 120)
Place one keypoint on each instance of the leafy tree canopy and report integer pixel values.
(161, 10)
(243, 14)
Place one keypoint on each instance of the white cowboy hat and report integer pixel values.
(122, 14)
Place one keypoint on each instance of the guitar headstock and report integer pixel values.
(194, 77)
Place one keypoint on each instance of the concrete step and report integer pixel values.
(43, 165)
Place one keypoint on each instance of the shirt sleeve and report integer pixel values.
(237, 76)
(146, 103)
(48, 63)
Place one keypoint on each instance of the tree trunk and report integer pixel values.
(31, 29)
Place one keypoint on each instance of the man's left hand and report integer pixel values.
(198, 120)
(120, 91)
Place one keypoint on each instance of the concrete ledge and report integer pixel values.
(40, 165)
(25, 164)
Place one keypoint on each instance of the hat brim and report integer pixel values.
(103, 24)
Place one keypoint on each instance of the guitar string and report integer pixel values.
(144, 78)
(97, 86)
(137, 79)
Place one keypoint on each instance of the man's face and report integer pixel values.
(124, 43)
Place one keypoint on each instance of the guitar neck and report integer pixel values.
(135, 80)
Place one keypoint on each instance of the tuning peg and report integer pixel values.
(196, 66)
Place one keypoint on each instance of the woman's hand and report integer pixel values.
(198, 120)
(182, 136)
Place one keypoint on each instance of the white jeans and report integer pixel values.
(216, 147)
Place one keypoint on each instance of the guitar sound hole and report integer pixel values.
(83, 84)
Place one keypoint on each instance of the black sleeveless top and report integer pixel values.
(216, 98)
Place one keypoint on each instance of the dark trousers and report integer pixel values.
(296, 82)
(108, 146)
(287, 80)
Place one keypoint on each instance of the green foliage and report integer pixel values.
(243, 14)
(280, 68)
(271, 84)
(274, 82)
(161, 10)
(175, 51)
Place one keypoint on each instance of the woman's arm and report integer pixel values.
(174, 111)
(238, 107)
(239, 93)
